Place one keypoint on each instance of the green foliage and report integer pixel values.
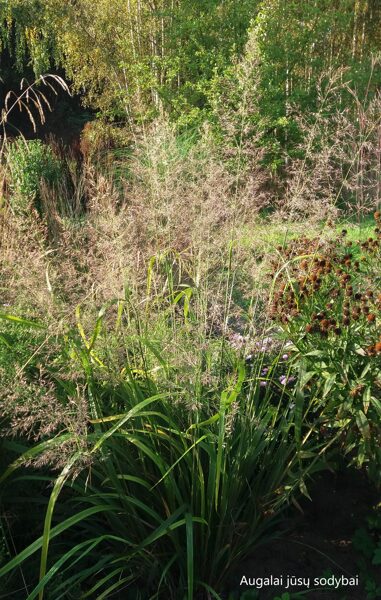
(327, 296)
(158, 458)
(172, 486)
(367, 541)
(169, 56)
(29, 162)
(25, 33)
(134, 60)
(293, 62)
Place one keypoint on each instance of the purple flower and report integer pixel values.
(285, 356)
(265, 344)
(285, 380)
(265, 371)
(237, 340)
(263, 383)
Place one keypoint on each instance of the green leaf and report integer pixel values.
(97, 328)
(363, 424)
(190, 562)
(87, 545)
(20, 321)
(32, 548)
(59, 483)
(6, 341)
(377, 405)
(131, 413)
(305, 377)
(39, 449)
(329, 383)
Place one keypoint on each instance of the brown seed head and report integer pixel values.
(356, 391)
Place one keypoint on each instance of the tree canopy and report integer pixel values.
(135, 59)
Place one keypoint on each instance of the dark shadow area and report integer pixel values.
(322, 541)
(64, 121)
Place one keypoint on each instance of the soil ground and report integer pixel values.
(319, 540)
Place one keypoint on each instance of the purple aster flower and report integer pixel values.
(263, 383)
(237, 340)
(285, 380)
(265, 344)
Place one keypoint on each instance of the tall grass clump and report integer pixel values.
(155, 481)
(311, 162)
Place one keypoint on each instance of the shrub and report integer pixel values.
(30, 162)
(328, 301)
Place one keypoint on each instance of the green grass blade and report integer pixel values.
(131, 413)
(36, 545)
(180, 459)
(190, 561)
(107, 593)
(21, 321)
(60, 482)
(88, 545)
(33, 452)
